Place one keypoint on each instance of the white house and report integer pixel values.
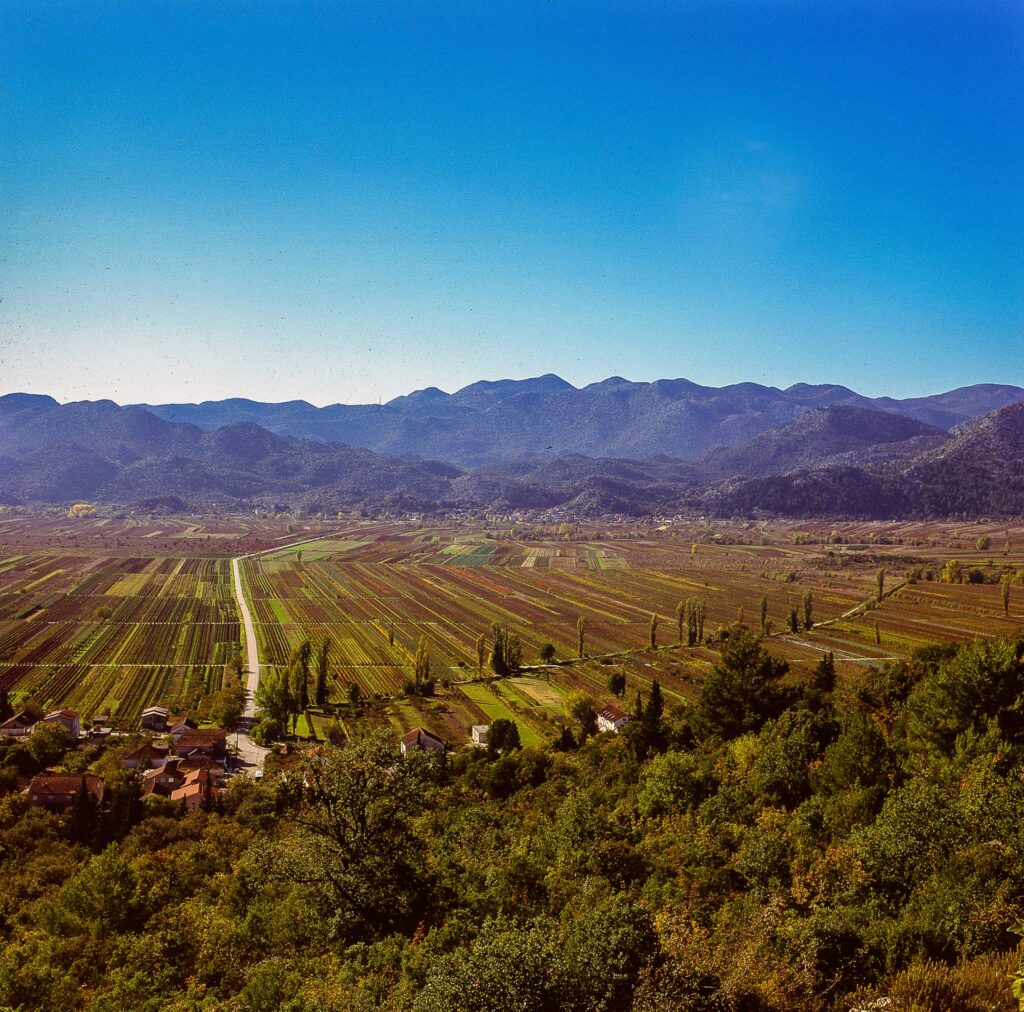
(418, 738)
(154, 718)
(18, 726)
(66, 718)
(481, 734)
(611, 718)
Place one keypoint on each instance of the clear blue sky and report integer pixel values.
(346, 201)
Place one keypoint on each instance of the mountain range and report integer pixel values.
(613, 447)
(511, 420)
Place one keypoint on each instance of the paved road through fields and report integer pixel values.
(251, 754)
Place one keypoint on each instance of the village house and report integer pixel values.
(611, 718)
(418, 738)
(198, 761)
(178, 728)
(154, 718)
(208, 741)
(198, 788)
(163, 780)
(56, 792)
(67, 719)
(18, 726)
(480, 733)
(146, 755)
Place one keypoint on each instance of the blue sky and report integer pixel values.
(347, 201)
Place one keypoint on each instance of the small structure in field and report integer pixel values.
(56, 792)
(18, 726)
(154, 718)
(481, 734)
(611, 718)
(67, 719)
(418, 738)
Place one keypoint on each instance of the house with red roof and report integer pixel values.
(18, 726)
(209, 741)
(56, 792)
(163, 780)
(146, 756)
(199, 788)
(418, 738)
(612, 718)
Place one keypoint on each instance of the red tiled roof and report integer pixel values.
(613, 713)
(64, 784)
(146, 751)
(203, 738)
(414, 736)
(18, 720)
(70, 714)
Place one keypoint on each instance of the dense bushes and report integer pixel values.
(777, 846)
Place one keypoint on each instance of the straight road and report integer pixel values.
(252, 653)
(249, 752)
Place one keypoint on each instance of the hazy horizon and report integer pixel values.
(503, 379)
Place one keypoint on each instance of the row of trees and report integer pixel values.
(283, 694)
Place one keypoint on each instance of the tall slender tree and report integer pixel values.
(421, 669)
(322, 667)
(581, 630)
(653, 632)
(764, 616)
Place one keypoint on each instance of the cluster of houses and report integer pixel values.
(610, 718)
(189, 769)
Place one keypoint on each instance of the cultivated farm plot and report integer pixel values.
(116, 614)
(115, 635)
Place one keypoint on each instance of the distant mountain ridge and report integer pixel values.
(839, 459)
(507, 420)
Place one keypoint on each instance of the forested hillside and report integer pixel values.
(782, 844)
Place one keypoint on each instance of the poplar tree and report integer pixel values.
(322, 655)
(421, 671)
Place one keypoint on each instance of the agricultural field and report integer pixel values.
(375, 593)
(114, 614)
(114, 635)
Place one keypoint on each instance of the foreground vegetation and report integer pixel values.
(779, 844)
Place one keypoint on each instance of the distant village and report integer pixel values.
(186, 763)
(181, 761)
